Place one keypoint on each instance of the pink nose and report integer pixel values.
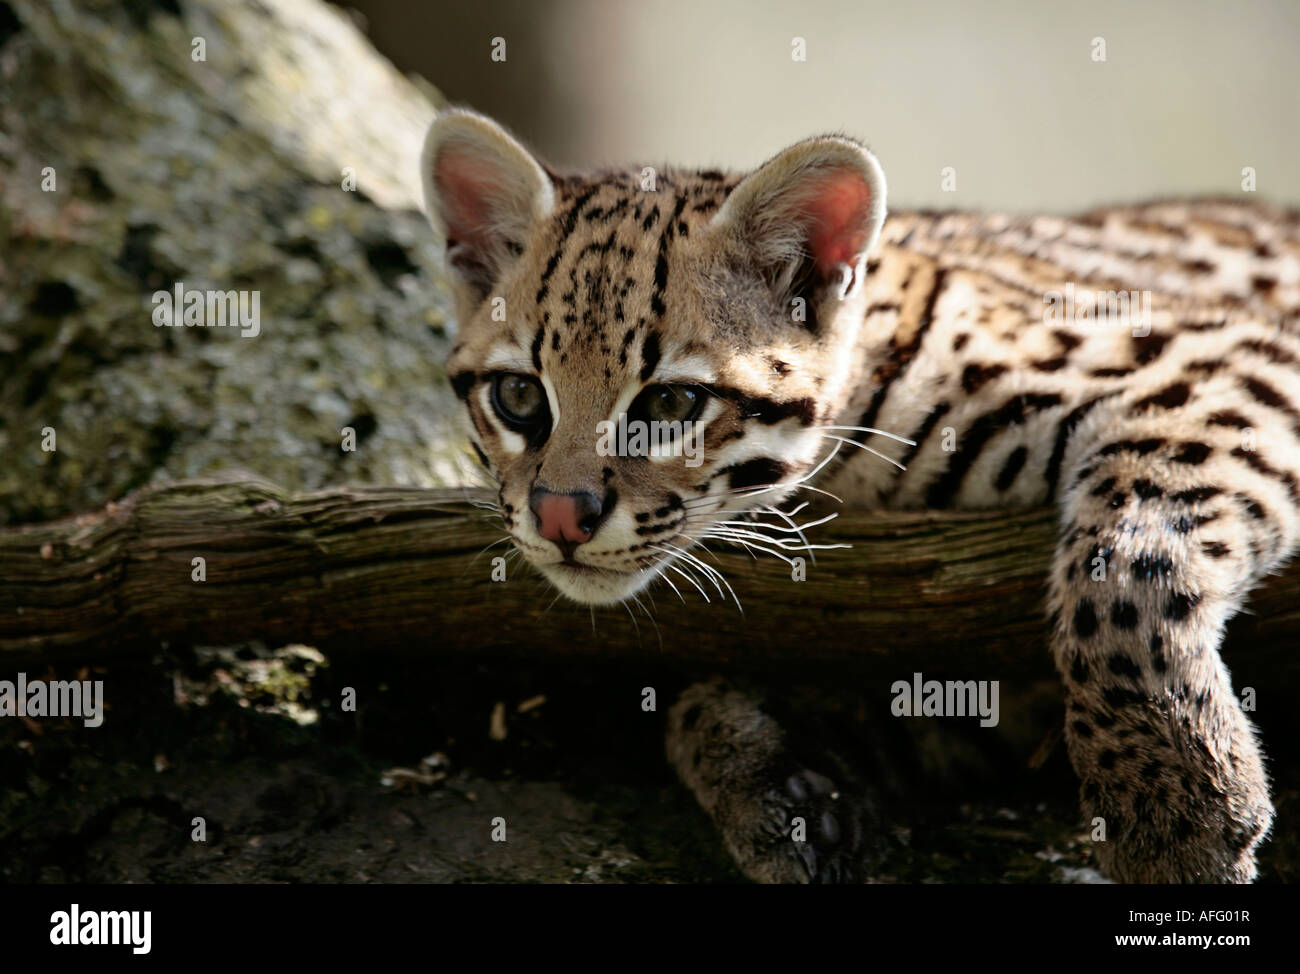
(567, 519)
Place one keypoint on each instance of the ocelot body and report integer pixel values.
(1138, 367)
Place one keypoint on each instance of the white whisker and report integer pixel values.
(486, 547)
(789, 519)
(868, 429)
(762, 489)
(793, 529)
(748, 538)
(802, 482)
(709, 571)
(740, 540)
(863, 446)
(660, 573)
(689, 578)
(658, 634)
(635, 625)
(785, 544)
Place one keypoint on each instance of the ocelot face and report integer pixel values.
(648, 359)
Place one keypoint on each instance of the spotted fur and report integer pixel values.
(1171, 446)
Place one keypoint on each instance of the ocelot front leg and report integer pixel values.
(1171, 516)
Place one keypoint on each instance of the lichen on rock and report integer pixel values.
(128, 166)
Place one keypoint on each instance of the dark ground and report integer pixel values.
(405, 789)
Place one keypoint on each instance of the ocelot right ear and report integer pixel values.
(483, 191)
(808, 217)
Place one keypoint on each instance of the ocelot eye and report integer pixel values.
(519, 400)
(668, 404)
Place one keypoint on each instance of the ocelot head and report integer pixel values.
(648, 358)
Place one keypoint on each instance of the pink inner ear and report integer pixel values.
(467, 185)
(839, 207)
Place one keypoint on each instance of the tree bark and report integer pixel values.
(409, 570)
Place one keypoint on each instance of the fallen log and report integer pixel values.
(410, 570)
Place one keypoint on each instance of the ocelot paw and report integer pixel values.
(782, 820)
(1206, 834)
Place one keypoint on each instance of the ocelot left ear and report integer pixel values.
(808, 217)
(483, 192)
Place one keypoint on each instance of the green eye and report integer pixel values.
(668, 404)
(519, 400)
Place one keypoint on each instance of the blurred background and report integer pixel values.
(1006, 93)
